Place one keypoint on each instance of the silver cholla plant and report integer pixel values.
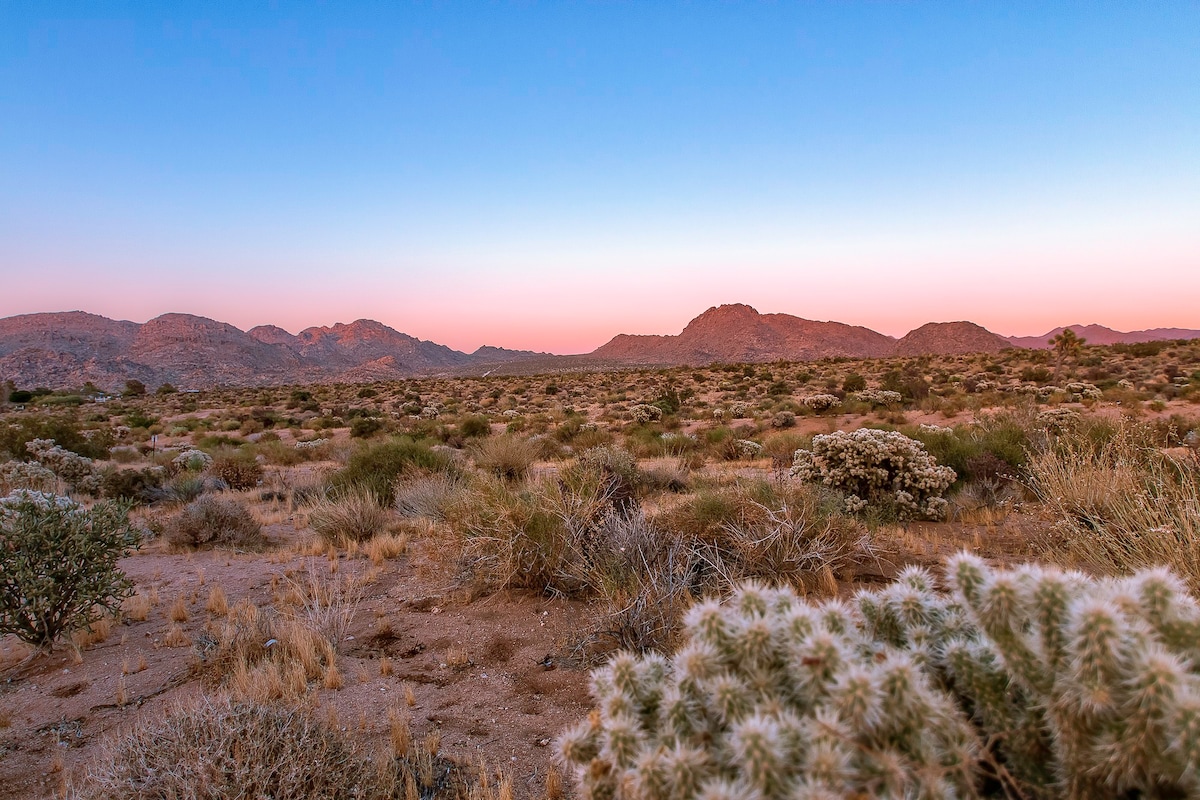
(1023, 683)
(874, 466)
(643, 413)
(822, 402)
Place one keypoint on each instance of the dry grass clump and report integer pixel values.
(211, 521)
(1123, 504)
(352, 515)
(507, 457)
(221, 748)
(427, 496)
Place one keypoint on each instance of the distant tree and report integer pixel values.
(166, 388)
(1065, 344)
(134, 388)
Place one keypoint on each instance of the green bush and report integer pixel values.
(1019, 683)
(58, 564)
(376, 466)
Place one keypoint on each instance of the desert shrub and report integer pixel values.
(795, 536)
(223, 748)
(428, 496)
(609, 470)
(351, 515)
(64, 430)
(508, 457)
(364, 427)
(1022, 683)
(58, 564)
(184, 488)
(665, 475)
(1122, 506)
(137, 485)
(211, 521)
(377, 466)
(474, 426)
(871, 466)
(239, 471)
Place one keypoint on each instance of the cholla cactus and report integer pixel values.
(739, 410)
(874, 466)
(748, 448)
(1084, 391)
(1079, 687)
(822, 402)
(192, 460)
(770, 698)
(431, 412)
(880, 397)
(74, 469)
(1057, 420)
(26, 475)
(643, 413)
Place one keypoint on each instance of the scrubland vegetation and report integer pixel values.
(398, 590)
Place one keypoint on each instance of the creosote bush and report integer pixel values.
(58, 564)
(1017, 683)
(211, 521)
(877, 467)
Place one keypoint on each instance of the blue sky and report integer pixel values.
(546, 175)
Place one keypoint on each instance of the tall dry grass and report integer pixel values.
(1123, 504)
(352, 515)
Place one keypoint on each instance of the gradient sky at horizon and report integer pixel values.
(546, 175)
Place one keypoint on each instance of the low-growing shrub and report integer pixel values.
(509, 457)
(211, 521)
(223, 748)
(377, 466)
(1022, 683)
(58, 564)
(872, 466)
(137, 485)
(238, 471)
(351, 515)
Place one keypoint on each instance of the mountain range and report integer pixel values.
(67, 349)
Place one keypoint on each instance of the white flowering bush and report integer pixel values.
(884, 468)
(879, 397)
(822, 402)
(58, 564)
(192, 460)
(643, 413)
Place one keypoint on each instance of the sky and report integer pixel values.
(546, 175)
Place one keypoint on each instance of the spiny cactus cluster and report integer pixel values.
(1023, 683)
(643, 413)
(879, 397)
(874, 466)
(822, 402)
(75, 470)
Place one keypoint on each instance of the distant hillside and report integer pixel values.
(71, 348)
(1098, 334)
(68, 349)
(736, 333)
(951, 339)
